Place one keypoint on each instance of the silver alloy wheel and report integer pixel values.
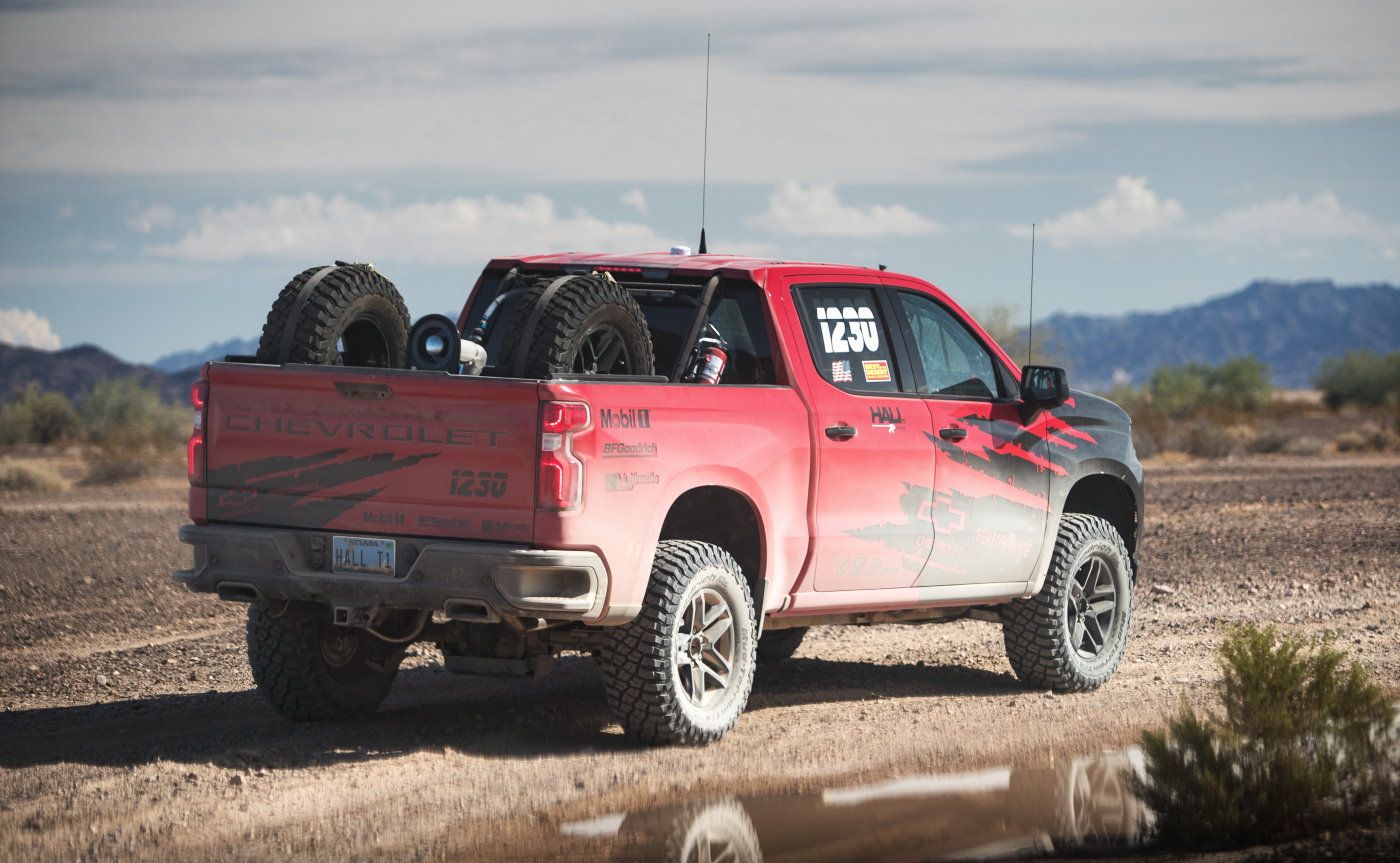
(1092, 607)
(704, 647)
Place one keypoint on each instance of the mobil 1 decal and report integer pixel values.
(848, 330)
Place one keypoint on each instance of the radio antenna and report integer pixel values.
(1030, 306)
(705, 148)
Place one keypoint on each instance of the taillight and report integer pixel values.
(194, 458)
(194, 450)
(560, 484)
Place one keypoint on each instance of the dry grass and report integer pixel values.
(30, 476)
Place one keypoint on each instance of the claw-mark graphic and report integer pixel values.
(986, 474)
(298, 490)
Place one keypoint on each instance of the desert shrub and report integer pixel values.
(34, 416)
(1271, 440)
(1304, 445)
(128, 429)
(1305, 743)
(1360, 378)
(1367, 437)
(1241, 384)
(25, 477)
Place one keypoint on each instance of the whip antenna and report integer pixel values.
(705, 148)
(1030, 306)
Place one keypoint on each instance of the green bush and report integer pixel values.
(1241, 384)
(128, 429)
(1305, 744)
(1360, 378)
(37, 417)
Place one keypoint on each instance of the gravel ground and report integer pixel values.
(129, 726)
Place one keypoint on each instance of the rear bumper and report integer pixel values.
(474, 581)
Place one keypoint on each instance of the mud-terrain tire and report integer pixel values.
(1071, 636)
(310, 669)
(778, 645)
(344, 315)
(664, 681)
(576, 325)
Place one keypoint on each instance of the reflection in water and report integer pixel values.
(1079, 804)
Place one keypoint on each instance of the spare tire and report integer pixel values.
(576, 325)
(342, 315)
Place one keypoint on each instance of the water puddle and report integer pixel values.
(1079, 804)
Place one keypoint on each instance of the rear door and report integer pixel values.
(371, 451)
(874, 465)
(991, 486)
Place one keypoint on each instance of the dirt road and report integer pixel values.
(130, 728)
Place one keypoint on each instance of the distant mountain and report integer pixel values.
(181, 360)
(1291, 326)
(73, 371)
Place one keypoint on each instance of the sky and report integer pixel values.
(165, 167)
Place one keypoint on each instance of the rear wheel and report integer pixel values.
(342, 315)
(682, 670)
(1071, 636)
(310, 669)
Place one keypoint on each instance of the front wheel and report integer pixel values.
(1071, 636)
(682, 670)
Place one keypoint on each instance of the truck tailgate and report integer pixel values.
(371, 451)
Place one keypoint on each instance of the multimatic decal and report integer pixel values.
(299, 490)
(630, 480)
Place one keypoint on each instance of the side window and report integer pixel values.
(954, 362)
(848, 337)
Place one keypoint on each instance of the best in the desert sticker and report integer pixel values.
(876, 371)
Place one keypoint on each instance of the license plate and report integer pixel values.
(362, 554)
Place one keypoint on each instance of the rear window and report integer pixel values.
(737, 313)
(849, 337)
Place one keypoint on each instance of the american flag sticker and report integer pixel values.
(841, 371)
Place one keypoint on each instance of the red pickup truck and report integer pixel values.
(868, 454)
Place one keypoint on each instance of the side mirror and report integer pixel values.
(1043, 386)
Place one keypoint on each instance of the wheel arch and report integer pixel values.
(1109, 498)
(725, 517)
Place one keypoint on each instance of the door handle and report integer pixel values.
(840, 432)
(952, 433)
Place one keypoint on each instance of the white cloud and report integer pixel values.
(216, 90)
(153, 218)
(457, 230)
(1130, 210)
(817, 211)
(1321, 217)
(26, 328)
(636, 199)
